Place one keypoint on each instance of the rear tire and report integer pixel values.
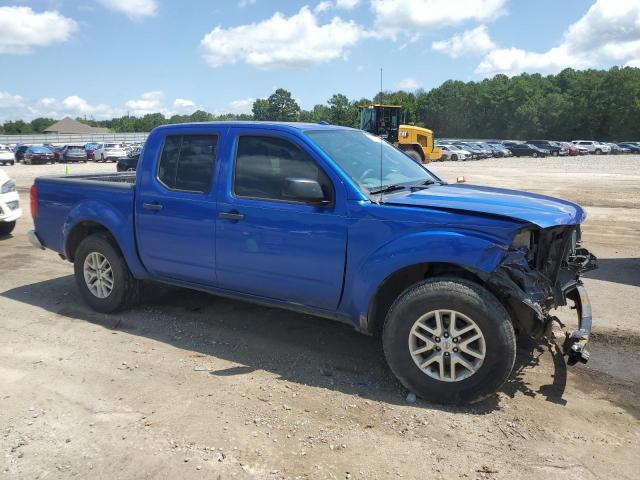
(114, 288)
(6, 228)
(473, 306)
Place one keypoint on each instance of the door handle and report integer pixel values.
(156, 207)
(231, 215)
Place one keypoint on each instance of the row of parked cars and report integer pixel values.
(47, 153)
(454, 149)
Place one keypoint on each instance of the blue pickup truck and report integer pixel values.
(333, 222)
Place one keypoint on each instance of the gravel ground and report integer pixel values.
(193, 386)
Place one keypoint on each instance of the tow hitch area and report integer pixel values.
(576, 342)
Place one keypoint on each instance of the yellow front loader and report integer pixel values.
(386, 121)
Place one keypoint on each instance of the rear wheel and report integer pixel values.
(7, 227)
(450, 341)
(102, 275)
(415, 156)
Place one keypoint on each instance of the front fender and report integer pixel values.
(468, 250)
(119, 225)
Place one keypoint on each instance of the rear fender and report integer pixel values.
(117, 224)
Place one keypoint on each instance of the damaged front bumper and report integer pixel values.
(533, 281)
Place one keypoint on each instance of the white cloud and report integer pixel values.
(408, 83)
(134, 9)
(246, 3)
(347, 4)
(22, 29)
(183, 103)
(297, 41)
(241, 106)
(476, 41)
(393, 16)
(149, 102)
(633, 63)
(323, 6)
(608, 33)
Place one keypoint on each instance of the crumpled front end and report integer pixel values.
(540, 272)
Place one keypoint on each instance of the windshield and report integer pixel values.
(112, 145)
(40, 150)
(360, 155)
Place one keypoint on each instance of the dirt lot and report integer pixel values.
(193, 386)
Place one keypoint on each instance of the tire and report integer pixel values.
(454, 157)
(598, 151)
(125, 288)
(534, 154)
(6, 228)
(415, 156)
(554, 153)
(470, 301)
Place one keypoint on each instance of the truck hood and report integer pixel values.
(540, 210)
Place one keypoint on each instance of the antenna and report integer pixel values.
(379, 135)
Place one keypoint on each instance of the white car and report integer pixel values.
(9, 204)
(7, 157)
(451, 152)
(109, 152)
(592, 146)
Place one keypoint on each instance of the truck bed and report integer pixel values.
(123, 179)
(76, 197)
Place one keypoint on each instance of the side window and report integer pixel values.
(264, 163)
(187, 161)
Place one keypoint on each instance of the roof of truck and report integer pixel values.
(254, 124)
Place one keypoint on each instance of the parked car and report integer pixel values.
(447, 273)
(496, 151)
(19, 152)
(553, 148)
(6, 155)
(128, 163)
(500, 147)
(526, 150)
(477, 153)
(571, 149)
(35, 155)
(451, 152)
(89, 148)
(9, 204)
(633, 147)
(592, 146)
(109, 152)
(73, 153)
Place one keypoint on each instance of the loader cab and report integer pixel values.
(382, 120)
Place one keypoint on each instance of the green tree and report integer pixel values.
(260, 109)
(282, 107)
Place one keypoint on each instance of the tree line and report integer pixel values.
(590, 104)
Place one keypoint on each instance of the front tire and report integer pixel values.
(102, 275)
(6, 228)
(450, 341)
(534, 154)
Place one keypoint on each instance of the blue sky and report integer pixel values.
(99, 58)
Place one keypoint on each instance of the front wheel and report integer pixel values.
(7, 227)
(454, 157)
(535, 155)
(450, 341)
(102, 275)
(598, 151)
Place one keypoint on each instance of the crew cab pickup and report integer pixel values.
(333, 222)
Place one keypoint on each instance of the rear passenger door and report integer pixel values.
(275, 246)
(176, 209)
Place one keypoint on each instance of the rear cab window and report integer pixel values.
(187, 162)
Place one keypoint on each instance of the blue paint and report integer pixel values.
(325, 260)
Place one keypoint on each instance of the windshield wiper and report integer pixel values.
(388, 188)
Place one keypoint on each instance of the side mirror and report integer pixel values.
(305, 190)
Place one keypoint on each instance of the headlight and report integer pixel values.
(7, 187)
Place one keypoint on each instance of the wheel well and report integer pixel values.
(399, 281)
(81, 231)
